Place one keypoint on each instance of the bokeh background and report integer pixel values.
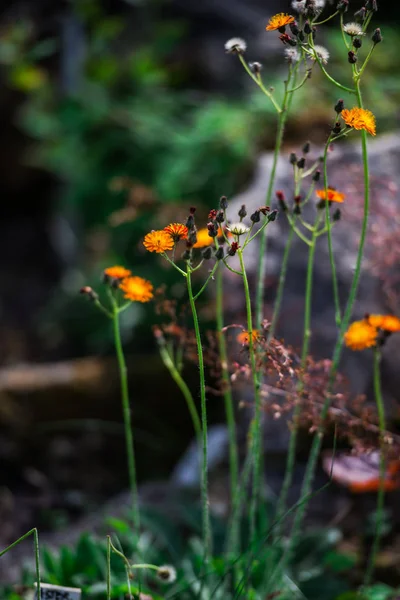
(115, 117)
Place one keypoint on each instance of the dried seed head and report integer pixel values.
(166, 573)
(353, 29)
(255, 67)
(322, 53)
(291, 55)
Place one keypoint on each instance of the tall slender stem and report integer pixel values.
(318, 437)
(229, 411)
(263, 241)
(281, 285)
(204, 472)
(329, 232)
(35, 534)
(181, 383)
(130, 451)
(291, 455)
(382, 468)
(255, 446)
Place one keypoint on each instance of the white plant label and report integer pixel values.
(57, 592)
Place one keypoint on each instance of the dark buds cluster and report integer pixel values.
(339, 106)
(212, 227)
(207, 253)
(297, 205)
(223, 203)
(336, 128)
(242, 212)
(352, 57)
(317, 176)
(219, 254)
(342, 6)
(287, 40)
(357, 43)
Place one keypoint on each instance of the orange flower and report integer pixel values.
(136, 289)
(117, 272)
(360, 335)
(203, 239)
(244, 338)
(158, 241)
(359, 118)
(332, 195)
(279, 21)
(177, 231)
(385, 322)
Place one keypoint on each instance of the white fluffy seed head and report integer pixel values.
(238, 228)
(166, 573)
(235, 46)
(292, 55)
(322, 53)
(300, 6)
(353, 29)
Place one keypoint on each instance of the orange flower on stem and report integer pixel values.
(158, 241)
(359, 118)
(331, 195)
(117, 272)
(136, 289)
(177, 231)
(279, 22)
(361, 335)
(203, 239)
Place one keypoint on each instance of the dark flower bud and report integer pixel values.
(293, 158)
(89, 293)
(255, 217)
(377, 36)
(291, 42)
(219, 254)
(192, 210)
(286, 39)
(297, 210)
(297, 199)
(339, 106)
(321, 204)
(220, 218)
(190, 222)
(255, 67)
(192, 236)
(272, 215)
(336, 215)
(233, 248)
(242, 212)
(357, 43)
(307, 28)
(223, 203)
(301, 36)
(352, 58)
(371, 5)
(301, 163)
(317, 176)
(212, 214)
(281, 199)
(360, 15)
(294, 28)
(342, 6)
(212, 229)
(186, 255)
(207, 253)
(336, 128)
(306, 148)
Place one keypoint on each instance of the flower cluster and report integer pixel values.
(370, 331)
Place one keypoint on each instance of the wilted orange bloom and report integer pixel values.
(177, 231)
(359, 118)
(391, 481)
(244, 338)
(278, 21)
(158, 241)
(385, 322)
(331, 194)
(360, 335)
(117, 272)
(136, 289)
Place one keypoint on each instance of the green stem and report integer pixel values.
(281, 285)
(177, 377)
(260, 84)
(325, 72)
(210, 276)
(361, 71)
(263, 241)
(255, 447)
(204, 473)
(382, 468)
(130, 451)
(291, 455)
(327, 19)
(318, 437)
(229, 411)
(35, 534)
(338, 315)
(108, 581)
